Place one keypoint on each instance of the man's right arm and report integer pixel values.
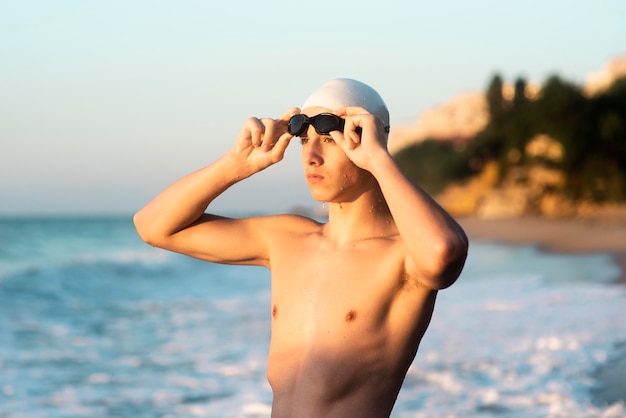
(175, 219)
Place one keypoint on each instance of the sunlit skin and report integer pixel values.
(352, 297)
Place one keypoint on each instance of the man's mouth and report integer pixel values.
(314, 178)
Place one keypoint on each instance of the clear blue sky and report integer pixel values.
(104, 103)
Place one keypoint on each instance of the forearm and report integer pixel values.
(431, 235)
(182, 203)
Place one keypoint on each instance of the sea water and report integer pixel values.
(94, 323)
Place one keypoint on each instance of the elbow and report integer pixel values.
(448, 262)
(145, 232)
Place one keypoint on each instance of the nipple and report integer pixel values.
(351, 316)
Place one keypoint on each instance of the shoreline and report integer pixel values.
(598, 234)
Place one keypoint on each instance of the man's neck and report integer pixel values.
(366, 217)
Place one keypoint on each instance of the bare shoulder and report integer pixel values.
(281, 226)
(266, 224)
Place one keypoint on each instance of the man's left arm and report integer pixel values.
(437, 245)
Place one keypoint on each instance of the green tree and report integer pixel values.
(495, 101)
(519, 96)
(561, 113)
(603, 173)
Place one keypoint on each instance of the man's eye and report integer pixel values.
(304, 140)
(329, 140)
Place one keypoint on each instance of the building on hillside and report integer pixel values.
(599, 81)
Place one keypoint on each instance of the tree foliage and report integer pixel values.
(590, 130)
(495, 101)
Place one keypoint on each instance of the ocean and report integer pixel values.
(95, 323)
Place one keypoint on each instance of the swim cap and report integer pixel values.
(343, 92)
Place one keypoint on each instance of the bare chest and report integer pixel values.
(316, 293)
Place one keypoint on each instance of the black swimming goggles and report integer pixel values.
(323, 123)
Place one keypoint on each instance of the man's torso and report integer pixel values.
(346, 322)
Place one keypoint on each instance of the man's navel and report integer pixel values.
(274, 312)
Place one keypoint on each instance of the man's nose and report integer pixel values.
(312, 154)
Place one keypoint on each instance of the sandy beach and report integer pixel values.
(600, 233)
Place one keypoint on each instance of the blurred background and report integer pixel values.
(512, 115)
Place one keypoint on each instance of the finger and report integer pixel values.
(354, 125)
(352, 130)
(341, 140)
(268, 138)
(288, 114)
(283, 121)
(280, 146)
(256, 129)
(353, 138)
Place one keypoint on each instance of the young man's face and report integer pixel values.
(328, 171)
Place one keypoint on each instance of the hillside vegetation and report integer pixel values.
(560, 147)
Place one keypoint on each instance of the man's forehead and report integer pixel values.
(316, 110)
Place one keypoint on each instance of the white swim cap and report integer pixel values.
(343, 92)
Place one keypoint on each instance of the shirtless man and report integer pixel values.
(352, 297)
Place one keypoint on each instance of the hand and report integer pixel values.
(262, 142)
(361, 148)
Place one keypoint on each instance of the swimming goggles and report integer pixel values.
(323, 123)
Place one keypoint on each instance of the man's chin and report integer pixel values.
(320, 197)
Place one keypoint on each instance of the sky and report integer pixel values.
(105, 103)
